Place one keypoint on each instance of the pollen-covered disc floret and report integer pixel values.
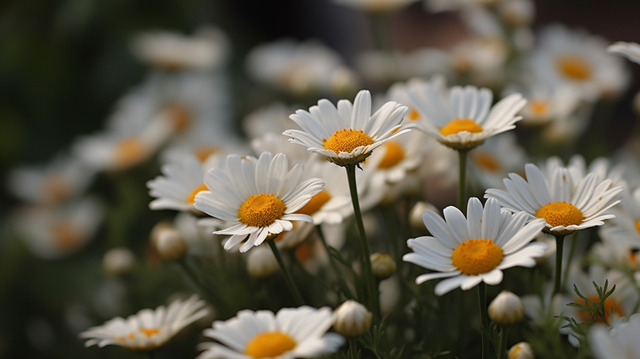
(347, 134)
(289, 333)
(460, 117)
(474, 249)
(257, 197)
(148, 329)
(567, 200)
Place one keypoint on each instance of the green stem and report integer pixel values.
(501, 349)
(212, 294)
(332, 261)
(557, 284)
(482, 299)
(285, 272)
(370, 289)
(462, 180)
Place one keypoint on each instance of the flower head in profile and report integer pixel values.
(259, 197)
(619, 341)
(462, 117)
(289, 333)
(566, 202)
(148, 329)
(347, 134)
(474, 249)
(629, 50)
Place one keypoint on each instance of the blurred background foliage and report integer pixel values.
(63, 65)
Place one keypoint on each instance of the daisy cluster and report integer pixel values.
(346, 208)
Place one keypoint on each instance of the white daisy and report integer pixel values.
(567, 203)
(630, 50)
(621, 341)
(347, 134)
(396, 158)
(474, 249)
(576, 58)
(205, 49)
(259, 197)
(490, 162)
(462, 117)
(290, 333)
(52, 232)
(182, 179)
(625, 227)
(376, 6)
(546, 102)
(148, 329)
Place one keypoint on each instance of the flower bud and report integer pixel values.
(415, 216)
(506, 309)
(118, 261)
(261, 262)
(168, 242)
(351, 319)
(521, 350)
(382, 266)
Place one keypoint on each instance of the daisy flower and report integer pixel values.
(258, 197)
(566, 202)
(475, 249)
(376, 6)
(630, 50)
(182, 179)
(462, 117)
(578, 59)
(494, 159)
(148, 329)
(289, 333)
(172, 51)
(347, 134)
(621, 341)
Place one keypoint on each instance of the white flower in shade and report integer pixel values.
(148, 329)
(352, 319)
(258, 197)
(182, 179)
(630, 50)
(333, 204)
(625, 226)
(290, 333)
(619, 341)
(490, 162)
(272, 118)
(171, 51)
(450, 5)
(384, 68)
(474, 249)
(117, 261)
(546, 102)
(566, 203)
(61, 179)
(377, 6)
(395, 159)
(347, 134)
(300, 67)
(462, 117)
(576, 58)
(53, 232)
(506, 309)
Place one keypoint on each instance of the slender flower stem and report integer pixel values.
(501, 349)
(482, 299)
(370, 289)
(213, 294)
(343, 285)
(557, 283)
(462, 179)
(285, 272)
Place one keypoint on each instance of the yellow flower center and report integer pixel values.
(539, 107)
(65, 235)
(638, 225)
(192, 196)
(204, 152)
(129, 151)
(394, 153)
(633, 257)
(148, 332)
(459, 125)
(315, 203)
(560, 214)
(346, 140)
(574, 67)
(269, 345)
(486, 161)
(260, 210)
(178, 115)
(611, 306)
(476, 256)
(413, 115)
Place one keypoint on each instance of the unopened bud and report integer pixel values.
(521, 350)
(351, 319)
(382, 266)
(506, 309)
(118, 261)
(168, 242)
(415, 216)
(261, 262)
